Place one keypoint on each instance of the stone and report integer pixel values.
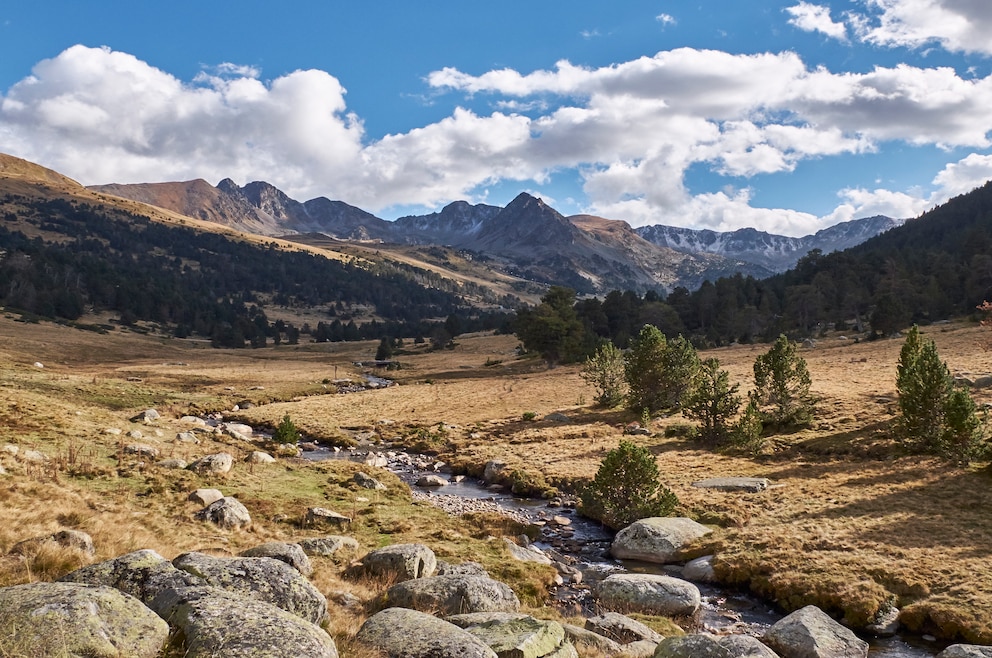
(966, 651)
(526, 553)
(10, 449)
(218, 463)
(449, 595)
(520, 638)
(594, 641)
(141, 574)
(259, 578)
(700, 570)
(558, 417)
(493, 471)
(657, 539)
(75, 539)
(366, 481)
(648, 593)
(146, 416)
(239, 428)
(691, 646)
(639, 649)
(142, 450)
(259, 457)
(885, 624)
(748, 485)
(214, 622)
(463, 569)
(33, 456)
(205, 496)
(745, 646)
(227, 513)
(811, 633)
(174, 463)
(621, 628)
(326, 546)
(72, 619)
(401, 633)
(402, 561)
(321, 516)
(291, 554)
(187, 437)
(431, 481)
(476, 618)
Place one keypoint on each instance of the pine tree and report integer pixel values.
(286, 432)
(680, 365)
(782, 382)
(644, 369)
(605, 371)
(627, 488)
(712, 401)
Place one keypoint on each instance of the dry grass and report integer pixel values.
(851, 524)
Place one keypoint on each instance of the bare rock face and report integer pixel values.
(405, 561)
(215, 622)
(657, 595)
(452, 595)
(291, 554)
(141, 574)
(403, 633)
(700, 570)
(658, 539)
(227, 513)
(259, 578)
(71, 619)
(811, 633)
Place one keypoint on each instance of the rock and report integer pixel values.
(220, 462)
(2, 471)
(450, 595)
(291, 554)
(700, 570)
(205, 496)
(431, 481)
(10, 449)
(594, 641)
(75, 539)
(376, 460)
(227, 513)
(493, 471)
(71, 619)
(142, 450)
(520, 638)
(141, 574)
(187, 437)
(368, 482)
(984, 381)
(692, 646)
(325, 546)
(966, 651)
(193, 420)
(885, 623)
(146, 416)
(658, 595)
(658, 539)
(526, 553)
(175, 463)
(558, 418)
(33, 456)
(748, 485)
(259, 578)
(404, 561)
(320, 516)
(621, 628)
(215, 622)
(811, 633)
(639, 649)
(259, 457)
(238, 428)
(745, 646)
(401, 633)
(463, 569)
(476, 618)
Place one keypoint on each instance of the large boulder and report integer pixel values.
(141, 574)
(227, 513)
(367, 481)
(657, 595)
(205, 496)
(658, 539)
(70, 619)
(692, 646)
(966, 651)
(593, 641)
(746, 485)
(321, 516)
(402, 633)
(621, 628)
(525, 637)
(291, 554)
(746, 646)
(402, 561)
(259, 578)
(215, 622)
(76, 539)
(325, 546)
(811, 633)
(452, 595)
(700, 570)
(525, 553)
(218, 463)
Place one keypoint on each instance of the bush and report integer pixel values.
(782, 382)
(605, 371)
(627, 488)
(712, 401)
(746, 435)
(286, 432)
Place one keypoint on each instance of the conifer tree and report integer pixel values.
(605, 371)
(713, 402)
(782, 386)
(627, 488)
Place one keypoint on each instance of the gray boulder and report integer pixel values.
(431, 481)
(658, 539)
(66, 538)
(452, 595)
(658, 595)
(215, 622)
(811, 633)
(525, 637)
(401, 633)
(746, 485)
(70, 619)
(745, 646)
(218, 463)
(142, 450)
(326, 546)
(639, 649)
(173, 463)
(368, 482)
(205, 496)
(291, 554)
(692, 646)
(259, 457)
(321, 516)
(404, 561)
(493, 470)
(146, 416)
(966, 651)
(462, 569)
(227, 513)
(700, 570)
(526, 553)
(141, 574)
(594, 641)
(259, 578)
(621, 628)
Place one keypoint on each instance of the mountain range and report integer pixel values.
(527, 238)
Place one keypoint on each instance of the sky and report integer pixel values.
(787, 116)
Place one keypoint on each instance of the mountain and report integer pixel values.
(775, 252)
(456, 222)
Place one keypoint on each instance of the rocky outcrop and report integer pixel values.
(291, 554)
(657, 595)
(227, 513)
(401, 561)
(141, 574)
(811, 633)
(325, 546)
(65, 538)
(658, 539)
(692, 646)
(402, 633)
(621, 628)
(71, 619)
(452, 595)
(215, 622)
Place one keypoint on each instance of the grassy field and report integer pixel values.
(850, 523)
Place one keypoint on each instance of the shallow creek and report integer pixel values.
(585, 544)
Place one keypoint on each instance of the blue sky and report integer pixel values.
(788, 116)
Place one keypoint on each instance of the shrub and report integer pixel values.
(627, 488)
(782, 382)
(712, 401)
(286, 432)
(605, 371)
(746, 435)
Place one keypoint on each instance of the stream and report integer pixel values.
(584, 544)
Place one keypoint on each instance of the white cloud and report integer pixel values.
(963, 176)
(816, 18)
(958, 25)
(666, 19)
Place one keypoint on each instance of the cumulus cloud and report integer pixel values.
(666, 19)
(816, 18)
(957, 25)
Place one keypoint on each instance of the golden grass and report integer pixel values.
(850, 523)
